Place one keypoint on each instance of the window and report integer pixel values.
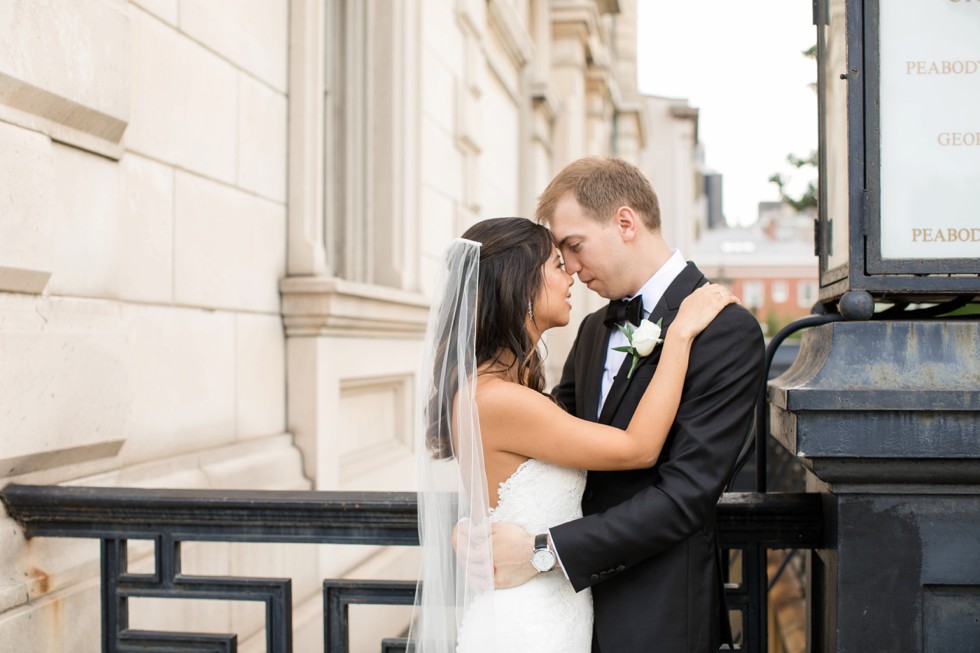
(806, 293)
(753, 293)
(779, 292)
(364, 167)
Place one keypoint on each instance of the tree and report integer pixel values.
(808, 198)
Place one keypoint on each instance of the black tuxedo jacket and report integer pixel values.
(646, 544)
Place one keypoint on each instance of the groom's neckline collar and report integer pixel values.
(655, 287)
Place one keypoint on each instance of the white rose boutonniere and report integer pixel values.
(642, 341)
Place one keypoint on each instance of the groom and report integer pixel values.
(646, 544)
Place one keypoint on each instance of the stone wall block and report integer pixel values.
(165, 10)
(260, 375)
(253, 34)
(184, 101)
(66, 621)
(500, 163)
(65, 382)
(442, 161)
(82, 375)
(144, 261)
(469, 120)
(230, 247)
(64, 70)
(28, 224)
(439, 221)
(86, 214)
(442, 34)
(182, 382)
(440, 90)
(262, 140)
(97, 227)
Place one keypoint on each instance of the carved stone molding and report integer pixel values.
(574, 19)
(545, 98)
(328, 306)
(581, 38)
(602, 90)
(609, 6)
(375, 424)
(507, 25)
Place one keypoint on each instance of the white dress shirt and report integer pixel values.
(652, 291)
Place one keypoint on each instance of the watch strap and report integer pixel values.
(543, 558)
(540, 541)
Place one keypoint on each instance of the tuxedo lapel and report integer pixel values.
(593, 377)
(686, 282)
(616, 392)
(665, 310)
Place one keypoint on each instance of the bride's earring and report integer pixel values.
(530, 310)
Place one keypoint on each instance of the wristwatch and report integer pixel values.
(542, 559)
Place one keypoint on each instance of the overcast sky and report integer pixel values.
(740, 63)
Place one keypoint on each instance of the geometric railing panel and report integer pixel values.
(747, 522)
(338, 595)
(118, 586)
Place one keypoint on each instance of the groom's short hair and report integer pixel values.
(601, 185)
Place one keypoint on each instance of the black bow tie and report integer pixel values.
(621, 310)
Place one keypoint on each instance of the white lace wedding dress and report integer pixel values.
(545, 615)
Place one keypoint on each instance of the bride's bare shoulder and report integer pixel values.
(502, 396)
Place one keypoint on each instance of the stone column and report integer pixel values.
(575, 39)
(886, 416)
(571, 28)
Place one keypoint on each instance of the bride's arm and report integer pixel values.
(519, 420)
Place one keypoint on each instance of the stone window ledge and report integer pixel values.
(328, 306)
(23, 280)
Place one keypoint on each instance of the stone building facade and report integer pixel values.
(219, 222)
(672, 157)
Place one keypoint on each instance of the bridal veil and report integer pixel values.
(452, 478)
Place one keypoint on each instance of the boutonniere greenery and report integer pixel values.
(642, 341)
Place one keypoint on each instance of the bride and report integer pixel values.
(500, 449)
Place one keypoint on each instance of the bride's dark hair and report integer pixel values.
(512, 255)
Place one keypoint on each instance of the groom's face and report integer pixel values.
(593, 251)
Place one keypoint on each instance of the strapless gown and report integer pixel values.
(545, 615)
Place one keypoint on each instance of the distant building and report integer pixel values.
(673, 160)
(713, 197)
(771, 266)
(782, 222)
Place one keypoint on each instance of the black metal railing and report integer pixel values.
(747, 522)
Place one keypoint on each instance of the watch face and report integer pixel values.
(543, 560)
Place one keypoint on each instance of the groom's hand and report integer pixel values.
(512, 549)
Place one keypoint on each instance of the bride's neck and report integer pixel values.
(503, 367)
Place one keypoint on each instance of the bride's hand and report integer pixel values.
(699, 308)
(512, 548)
(471, 546)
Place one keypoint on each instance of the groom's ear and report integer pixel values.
(627, 222)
